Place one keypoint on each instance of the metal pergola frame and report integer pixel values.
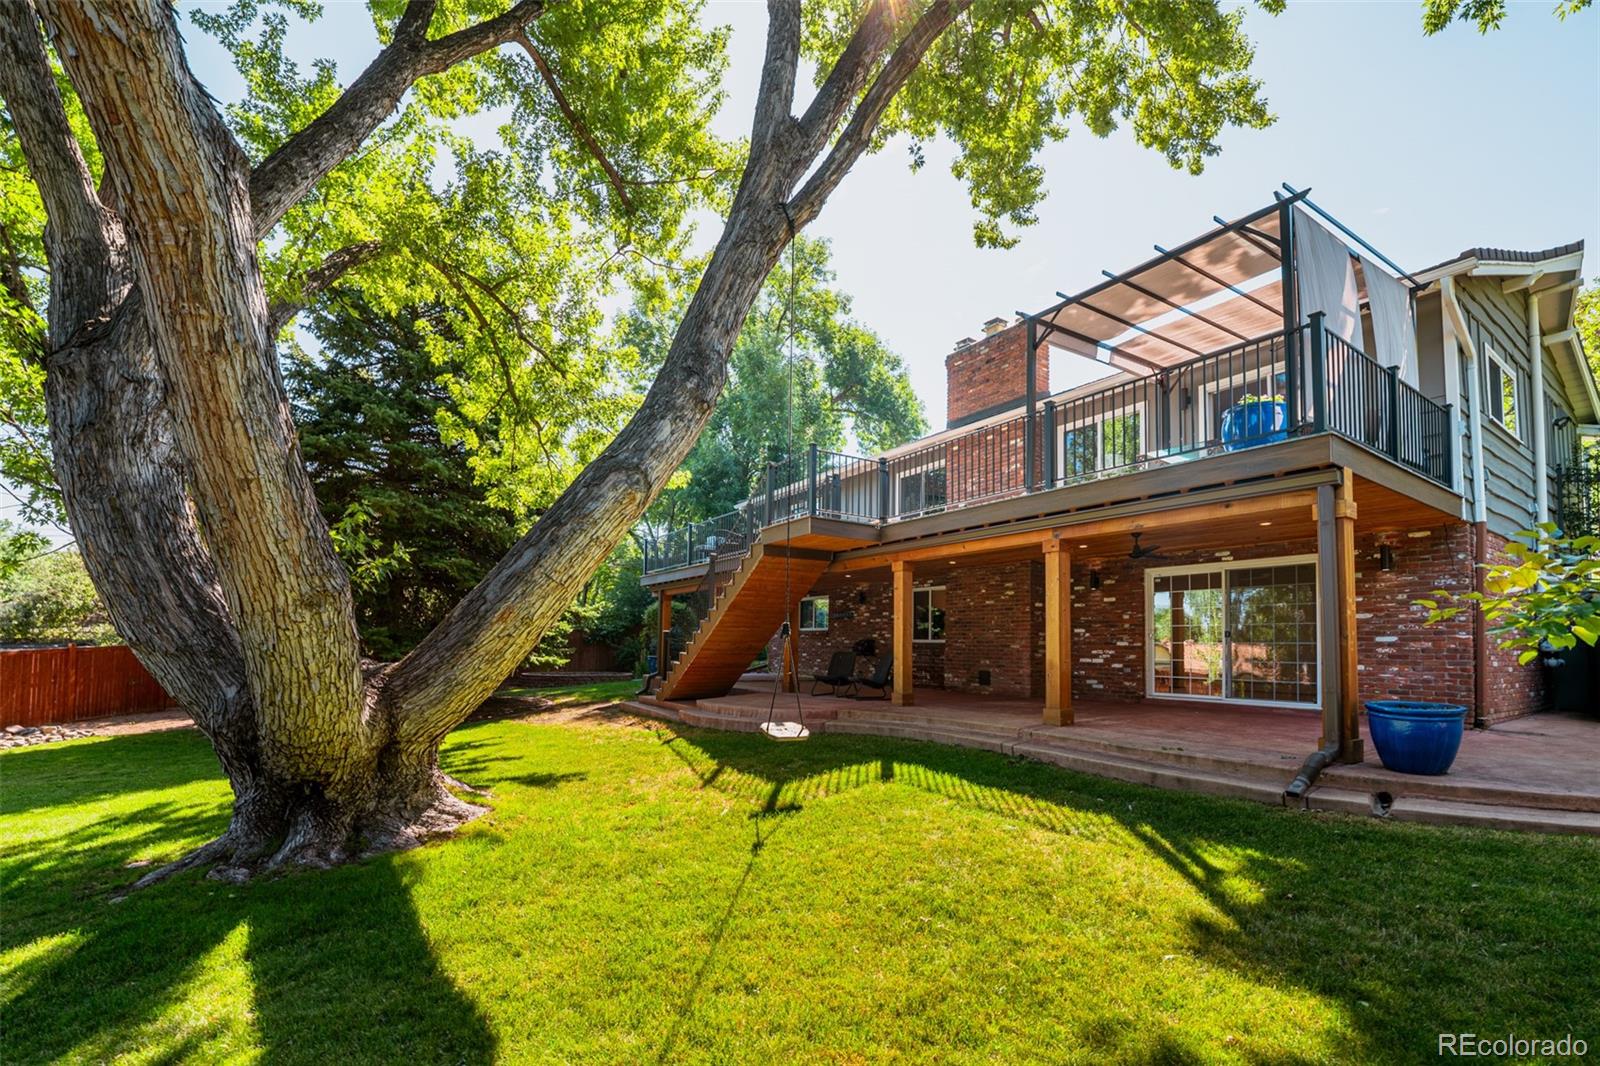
(1281, 248)
(1241, 226)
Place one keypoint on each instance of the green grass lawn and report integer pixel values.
(574, 695)
(643, 895)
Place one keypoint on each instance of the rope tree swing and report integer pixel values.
(796, 729)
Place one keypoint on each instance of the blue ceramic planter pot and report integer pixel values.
(1416, 738)
(1245, 425)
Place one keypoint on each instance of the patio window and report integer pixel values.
(1501, 399)
(927, 615)
(923, 490)
(1237, 631)
(814, 614)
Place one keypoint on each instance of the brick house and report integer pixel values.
(1224, 475)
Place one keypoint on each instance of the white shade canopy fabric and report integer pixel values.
(1211, 293)
(1394, 323)
(1327, 278)
(1225, 288)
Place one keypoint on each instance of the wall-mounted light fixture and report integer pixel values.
(1385, 557)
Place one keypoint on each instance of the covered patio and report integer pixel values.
(1532, 773)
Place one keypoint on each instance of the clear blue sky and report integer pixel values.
(1423, 145)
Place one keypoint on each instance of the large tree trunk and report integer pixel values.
(179, 461)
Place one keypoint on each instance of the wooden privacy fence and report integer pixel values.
(39, 686)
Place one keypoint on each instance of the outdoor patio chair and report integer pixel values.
(840, 673)
(882, 679)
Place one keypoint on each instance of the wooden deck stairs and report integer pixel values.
(747, 610)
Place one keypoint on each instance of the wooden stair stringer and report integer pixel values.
(748, 610)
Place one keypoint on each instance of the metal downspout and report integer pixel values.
(1328, 615)
(1541, 461)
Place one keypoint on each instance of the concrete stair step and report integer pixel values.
(1371, 777)
(1494, 816)
(883, 711)
(1240, 765)
(913, 731)
(1159, 775)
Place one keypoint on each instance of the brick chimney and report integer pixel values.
(987, 376)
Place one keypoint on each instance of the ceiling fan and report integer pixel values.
(1141, 552)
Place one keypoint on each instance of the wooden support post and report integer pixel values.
(664, 636)
(1336, 615)
(1330, 618)
(901, 619)
(791, 652)
(1057, 634)
(1344, 511)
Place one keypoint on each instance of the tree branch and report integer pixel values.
(844, 82)
(334, 266)
(579, 127)
(774, 111)
(857, 135)
(286, 175)
(81, 239)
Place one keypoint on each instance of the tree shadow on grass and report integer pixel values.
(315, 968)
(71, 773)
(1409, 931)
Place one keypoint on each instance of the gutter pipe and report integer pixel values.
(1328, 615)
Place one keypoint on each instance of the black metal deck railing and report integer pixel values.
(1289, 384)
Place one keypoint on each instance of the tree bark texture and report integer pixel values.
(178, 458)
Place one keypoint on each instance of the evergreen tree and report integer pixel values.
(409, 521)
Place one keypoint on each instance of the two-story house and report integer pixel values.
(1274, 442)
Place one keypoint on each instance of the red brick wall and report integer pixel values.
(992, 370)
(990, 463)
(1509, 690)
(995, 621)
(1399, 655)
(859, 609)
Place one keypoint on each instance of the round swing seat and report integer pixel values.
(785, 730)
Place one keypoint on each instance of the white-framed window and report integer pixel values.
(1085, 446)
(1502, 392)
(927, 615)
(921, 491)
(814, 614)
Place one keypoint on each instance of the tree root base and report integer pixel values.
(312, 839)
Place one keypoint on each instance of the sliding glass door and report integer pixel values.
(1234, 631)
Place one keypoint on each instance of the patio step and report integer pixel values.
(952, 735)
(1262, 788)
(1237, 764)
(1494, 816)
(883, 711)
(1160, 770)
(1370, 777)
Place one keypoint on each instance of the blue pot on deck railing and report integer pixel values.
(1255, 420)
(1414, 737)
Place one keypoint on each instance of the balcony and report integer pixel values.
(1276, 388)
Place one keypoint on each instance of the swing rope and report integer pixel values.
(790, 637)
